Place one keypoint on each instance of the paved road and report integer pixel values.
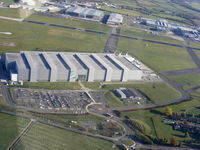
(182, 72)
(194, 57)
(112, 42)
(96, 32)
(193, 89)
(152, 147)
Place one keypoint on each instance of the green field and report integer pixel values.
(42, 137)
(10, 127)
(157, 92)
(50, 85)
(197, 52)
(92, 85)
(78, 23)
(187, 79)
(63, 119)
(28, 36)
(139, 33)
(7, 2)
(156, 56)
(121, 11)
(112, 100)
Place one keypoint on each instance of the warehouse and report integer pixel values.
(67, 66)
(85, 13)
(115, 19)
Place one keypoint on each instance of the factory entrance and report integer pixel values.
(82, 77)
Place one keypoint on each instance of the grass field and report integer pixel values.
(157, 92)
(50, 85)
(187, 79)
(112, 100)
(139, 33)
(10, 127)
(92, 85)
(121, 11)
(195, 44)
(157, 57)
(78, 23)
(2, 102)
(28, 36)
(162, 130)
(7, 2)
(42, 137)
(63, 119)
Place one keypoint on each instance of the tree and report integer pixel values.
(173, 141)
(183, 114)
(117, 113)
(187, 135)
(168, 111)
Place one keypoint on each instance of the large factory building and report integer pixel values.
(67, 66)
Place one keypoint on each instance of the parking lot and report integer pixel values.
(71, 101)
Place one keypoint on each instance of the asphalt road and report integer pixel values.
(112, 42)
(194, 57)
(193, 89)
(182, 72)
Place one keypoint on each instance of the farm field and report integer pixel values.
(42, 137)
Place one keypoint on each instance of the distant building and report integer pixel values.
(85, 12)
(66, 66)
(29, 2)
(115, 19)
(126, 93)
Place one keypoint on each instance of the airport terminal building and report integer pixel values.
(68, 66)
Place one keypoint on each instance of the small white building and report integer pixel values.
(13, 75)
(115, 19)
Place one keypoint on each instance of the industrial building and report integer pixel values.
(67, 66)
(115, 19)
(85, 12)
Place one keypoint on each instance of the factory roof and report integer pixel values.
(108, 62)
(70, 57)
(125, 62)
(117, 18)
(93, 62)
(39, 61)
(18, 58)
(70, 60)
(77, 10)
(58, 62)
(85, 11)
(92, 12)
